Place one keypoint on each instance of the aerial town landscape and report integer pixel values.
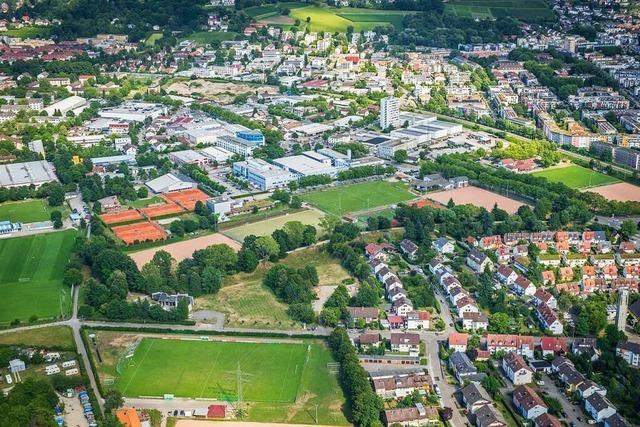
(328, 212)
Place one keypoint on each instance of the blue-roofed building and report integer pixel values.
(251, 135)
(8, 227)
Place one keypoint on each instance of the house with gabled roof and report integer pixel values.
(523, 286)
(598, 407)
(517, 369)
(543, 296)
(528, 403)
(553, 345)
(458, 341)
(474, 397)
(506, 275)
(549, 319)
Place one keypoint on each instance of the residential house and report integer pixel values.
(586, 345)
(396, 293)
(528, 403)
(458, 341)
(517, 369)
(630, 352)
(490, 242)
(462, 367)
(521, 344)
(474, 397)
(368, 314)
(398, 385)
(368, 340)
(466, 305)
(547, 420)
(395, 321)
(588, 387)
(598, 407)
(443, 246)
(553, 345)
(541, 296)
(402, 306)
(478, 261)
(405, 343)
(566, 274)
(418, 415)
(506, 275)
(548, 277)
(549, 319)
(409, 248)
(488, 417)
(475, 321)
(523, 286)
(615, 420)
(418, 319)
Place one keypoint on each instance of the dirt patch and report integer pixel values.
(621, 192)
(278, 20)
(184, 249)
(221, 91)
(476, 196)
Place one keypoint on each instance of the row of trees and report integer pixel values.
(295, 288)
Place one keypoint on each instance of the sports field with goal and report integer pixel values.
(31, 271)
(203, 369)
(358, 197)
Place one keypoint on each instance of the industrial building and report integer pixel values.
(189, 157)
(262, 174)
(27, 173)
(170, 182)
(74, 104)
(308, 163)
(133, 111)
(114, 160)
(237, 145)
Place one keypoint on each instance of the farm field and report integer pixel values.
(31, 270)
(477, 197)
(357, 197)
(282, 381)
(621, 191)
(576, 176)
(28, 32)
(266, 227)
(35, 210)
(183, 249)
(525, 10)
(207, 37)
(325, 18)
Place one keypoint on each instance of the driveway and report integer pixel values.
(572, 411)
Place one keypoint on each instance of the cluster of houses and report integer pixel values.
(401, 314)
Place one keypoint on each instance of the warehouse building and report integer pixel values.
(308, 163)
(27, 173)
(262, 174)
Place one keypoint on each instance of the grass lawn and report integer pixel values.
(268, 226)
(525, 10)
(28, 32)
(325, 18)
(31, 270)
(576, 176)
(358, 197)
(207, 37)
(282, 381)
(330, 272)
(35, 210)
(143, 203)
(153, 38)
(52, 336)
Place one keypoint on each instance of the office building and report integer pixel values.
(389, 112)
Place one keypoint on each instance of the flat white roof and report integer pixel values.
(27, 173)
(305, 165)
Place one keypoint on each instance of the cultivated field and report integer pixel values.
(283, 380)
(183, 249)
(28, 211)
(357, 197)
(622, 192)
(476, 196)
(525, 10)
(576, 176)
(268, 226)
(31, 271)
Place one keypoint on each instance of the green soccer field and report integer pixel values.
(575, 176)
(201, 369)
(28, 211)
(31, 271)
(358, 197)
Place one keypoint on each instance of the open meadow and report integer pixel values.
(575, 176)
(268, 226)
(524, 10)
(282, 380)
(358, 197)
(325, 18)
(34, 210)
(60, 337)
(31, 271)
(476, 196)
(247, 303)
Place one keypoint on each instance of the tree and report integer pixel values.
(266, 247)
(500, 322)
(247, 260)
(112, 400)
(400, 156)
(629, 228)
(329, 222)
(142, 192)
(491, 384)
(56, 194)
(56, 218)
(296, 202)
(330, 317)
(72, 277)
(302, 312)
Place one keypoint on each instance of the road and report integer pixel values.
(572, 411)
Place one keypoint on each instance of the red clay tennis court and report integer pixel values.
(187, 198)
(122, 216)
(162, 210)
(140, 232)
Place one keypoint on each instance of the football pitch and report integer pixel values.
(357, 197)
(575, 176)
(31, 271)
(270, 372)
